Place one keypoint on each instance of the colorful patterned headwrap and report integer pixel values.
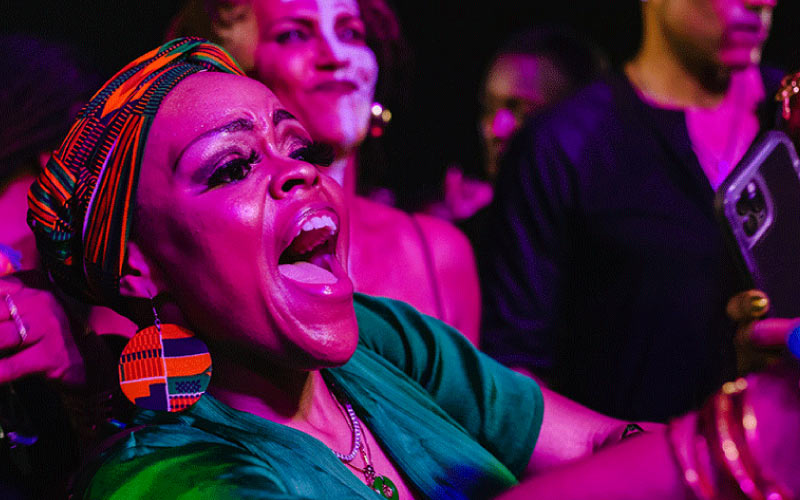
(80, 206)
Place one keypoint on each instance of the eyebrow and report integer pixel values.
(238, 125)
(281, 114)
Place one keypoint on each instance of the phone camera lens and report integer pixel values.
(757, 201)
(751, 224)
(742, 206)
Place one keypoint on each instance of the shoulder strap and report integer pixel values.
(429, 267)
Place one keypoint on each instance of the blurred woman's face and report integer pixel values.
(243, 230)
(313, 55)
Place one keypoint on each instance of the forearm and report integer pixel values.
(571, 431)
(639, 468)
(741, 444)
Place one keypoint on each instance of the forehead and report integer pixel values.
(205, 101)
(206, 97)
(275, 9)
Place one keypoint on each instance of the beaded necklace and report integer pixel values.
(382, 485)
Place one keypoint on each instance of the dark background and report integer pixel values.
(451, 42)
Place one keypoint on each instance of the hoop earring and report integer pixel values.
(379, 119)
(164, 367)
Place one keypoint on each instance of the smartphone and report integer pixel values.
(758, 205)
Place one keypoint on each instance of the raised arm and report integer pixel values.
(571, 431)
(37, 338)
(641, 468)
(744, 440)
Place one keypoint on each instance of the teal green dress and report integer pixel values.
(456, 424)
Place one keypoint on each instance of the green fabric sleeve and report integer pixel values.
(500, 408)
(200, 470)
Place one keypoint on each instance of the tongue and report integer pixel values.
(306, 272)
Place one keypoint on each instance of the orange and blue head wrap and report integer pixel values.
(80, 207)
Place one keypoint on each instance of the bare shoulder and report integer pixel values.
(448, 244)
(455, 266)
(373, 214)
(385, 240)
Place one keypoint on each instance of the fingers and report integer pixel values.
(48, 348)
(5, 310)
(794, 342)
(772, 332)
(747, 306)
(8, 288)
(22, 364)
(49, 351)
(10, 338)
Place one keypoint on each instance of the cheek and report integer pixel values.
(696, 24)
(708, 19)
(365, 67)
(353, 111)
(241, 223)
(486, 126)
(720, 8)
(284, 74)
(212, 232)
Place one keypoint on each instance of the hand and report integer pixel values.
(774, 395)
(465, 196)
(775, 399)
(745, 441)
(462, 196)
(759, 342)
(49, 348)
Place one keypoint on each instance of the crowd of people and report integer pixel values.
(204, 298)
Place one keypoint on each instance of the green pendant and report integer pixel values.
(384, 487)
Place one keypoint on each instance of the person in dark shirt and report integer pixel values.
(531, 71)
(605, 272)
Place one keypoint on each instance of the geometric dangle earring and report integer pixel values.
(379, 119)
(164, 367)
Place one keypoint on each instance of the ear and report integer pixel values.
(234, 25)
(140, 277)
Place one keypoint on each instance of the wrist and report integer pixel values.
(714, 450)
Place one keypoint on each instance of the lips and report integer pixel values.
(309, 260)
(745, 35)
(750, 28)
(336, 87)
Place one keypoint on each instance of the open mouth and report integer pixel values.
(309, 258)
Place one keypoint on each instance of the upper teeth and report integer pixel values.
(317, 222)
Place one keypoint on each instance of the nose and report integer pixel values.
(504, 124)
(293, 176)
(327, 55)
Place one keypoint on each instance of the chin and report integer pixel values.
(740, 58)
(342, 136)
(328, 348)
